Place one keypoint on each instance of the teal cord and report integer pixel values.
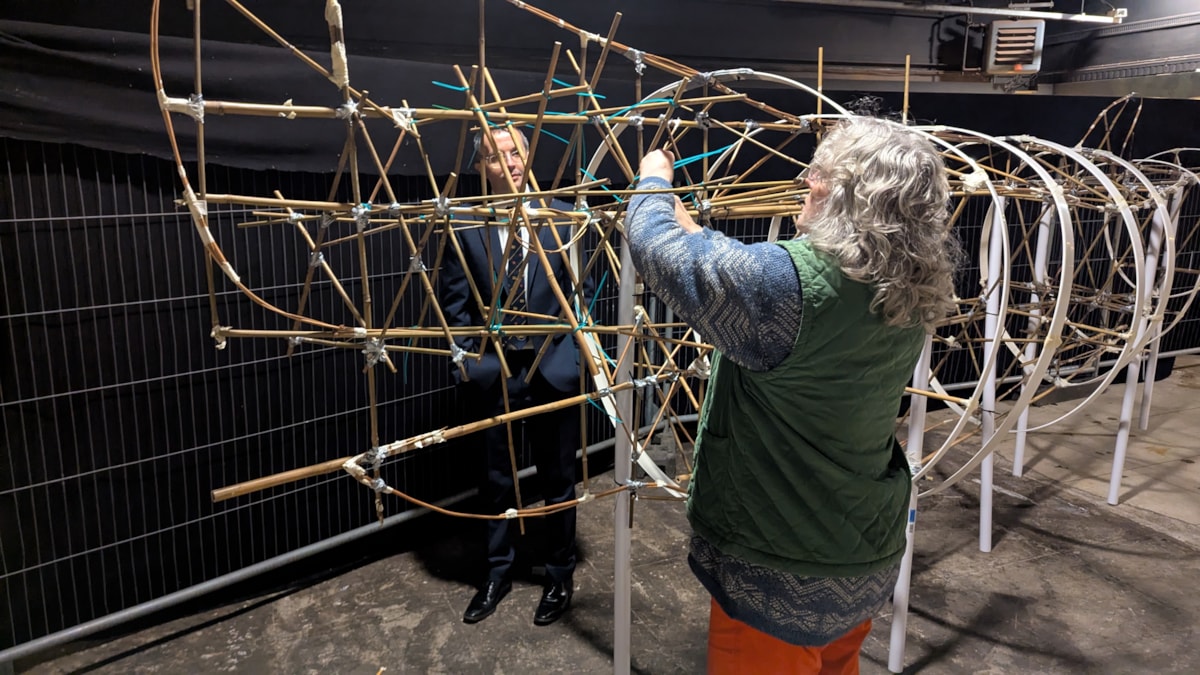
(601, 409)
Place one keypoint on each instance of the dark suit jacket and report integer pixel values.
(560, 364)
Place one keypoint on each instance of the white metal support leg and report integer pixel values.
(1174, 205)
(1045, 236)
(991, 330)
(1157, 232)
(622, 470)
(1118, 467)
(1151, 370)
(914, 450)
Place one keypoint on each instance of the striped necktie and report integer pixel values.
(515, 281)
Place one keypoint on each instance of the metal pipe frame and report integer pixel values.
(909, 8)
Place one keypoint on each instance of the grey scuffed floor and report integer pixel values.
(1073, 585)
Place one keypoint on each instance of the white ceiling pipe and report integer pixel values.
(910, 7)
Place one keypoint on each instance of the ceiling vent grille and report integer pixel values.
(1015, 47)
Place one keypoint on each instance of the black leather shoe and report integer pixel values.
(556, 600)
(485, 601)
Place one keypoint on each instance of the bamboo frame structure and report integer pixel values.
(1076, 246)
(1076, 183)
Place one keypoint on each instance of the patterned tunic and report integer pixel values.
(745, 299)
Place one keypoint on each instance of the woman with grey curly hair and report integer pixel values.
(882, 194)
(799, 493)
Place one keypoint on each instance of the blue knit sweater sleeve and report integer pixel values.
(744, 299)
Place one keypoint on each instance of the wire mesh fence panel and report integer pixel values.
(120, 417)
(1186, 334)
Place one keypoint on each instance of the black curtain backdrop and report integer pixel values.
(94, 87)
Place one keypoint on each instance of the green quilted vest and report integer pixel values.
(798, 468)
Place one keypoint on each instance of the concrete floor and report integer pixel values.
(1073, 585)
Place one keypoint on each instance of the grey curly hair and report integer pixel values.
(885, 218)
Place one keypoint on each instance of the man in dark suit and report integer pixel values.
(489, 251)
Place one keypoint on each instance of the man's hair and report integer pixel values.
(885, 217)
(482, 150)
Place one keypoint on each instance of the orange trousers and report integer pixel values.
(735, 648)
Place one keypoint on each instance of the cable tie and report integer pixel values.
(295, 216)
(644, 382)
(218, 334)
(372, 458)
(415, 264)
(347, 110)
(704, 206)
(636, 121)
(294, 341)
(703, 120)
(603, 391)
(639, 60)
(326, 220)
(359, 331)
(441, 207)
(394, 209)
(362, 216)
(291, 114)
(378, 485)
(457, 353)
(751, 125)
(510, 514)
(316, 259)
(673, 125)
(976, 180)
(375, 352)
(195, 107)
(701, 78)
(596, 120)
(403, 117)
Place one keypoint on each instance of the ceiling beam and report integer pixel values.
(924, 8)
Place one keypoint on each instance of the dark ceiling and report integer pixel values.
(707, 34)
(80, 70)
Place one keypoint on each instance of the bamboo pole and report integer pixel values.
(291, 111)
(820, 77)
(407, 445)
(659, 62)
